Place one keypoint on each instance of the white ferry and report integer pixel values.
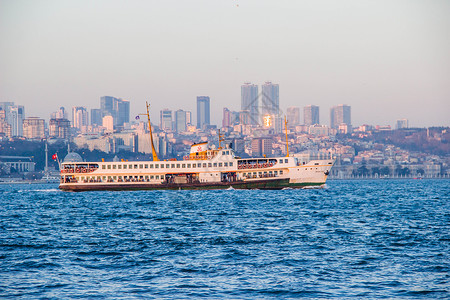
(204, 168)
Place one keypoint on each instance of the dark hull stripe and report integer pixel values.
(275, 184)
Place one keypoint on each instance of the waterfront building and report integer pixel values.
(250, 102)
(203, 111)
(340, 114)
(34, 128)
(165, 119)
(311, 115)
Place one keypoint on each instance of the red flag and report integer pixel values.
(54, 156)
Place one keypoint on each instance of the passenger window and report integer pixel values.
(225, 164)
(124, 167)
(231, 164)
(141, 166)
(114, 167)
(220, 164)
(103, 167)
(156, 166)
(286, 161)
(119, 167)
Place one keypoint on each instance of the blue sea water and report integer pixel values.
(352, 239)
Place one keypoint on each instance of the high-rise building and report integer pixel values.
(226, 120)
(293, 116)
(402, 123)
(14, 116)
(80, 118)
(96, 116)
(180, 120)
(165, 119)
(59, 114)
(5, 128)
(340, 114)
(203, 111)
(34, 128)
(262, 146)
(250, 102)
(108, 123)
(59, 128)
(311, 115)
(188, 118)
(270, 99)
(117, 108)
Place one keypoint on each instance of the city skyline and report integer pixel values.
(384, 59)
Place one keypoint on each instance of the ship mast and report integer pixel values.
(287, 143)
(220, 139)
(154, 154)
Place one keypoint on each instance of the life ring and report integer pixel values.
(265, 165)
(83, 170)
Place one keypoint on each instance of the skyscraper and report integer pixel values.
(165, 122)
(14, 116)
(80, 117)
(96, 116)
(270, 99)
(293, 116)
(402, 123)
(311, 115)
(226, 120)
(180, 120)
(117, 108)
(340, 114)
(59, 128)
(250, 102)
(203, 111)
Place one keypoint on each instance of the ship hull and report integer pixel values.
(275, 184)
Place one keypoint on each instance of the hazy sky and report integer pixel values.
(387, 59)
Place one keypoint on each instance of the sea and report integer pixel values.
(363, 239)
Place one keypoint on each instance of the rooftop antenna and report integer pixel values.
(287, 143)
(154, 154)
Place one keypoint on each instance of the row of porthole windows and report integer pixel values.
(162, 166)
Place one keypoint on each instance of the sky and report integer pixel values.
(387, 59)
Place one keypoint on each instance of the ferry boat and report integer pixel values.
(204, 168)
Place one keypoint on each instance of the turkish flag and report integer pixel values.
(54, 156)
